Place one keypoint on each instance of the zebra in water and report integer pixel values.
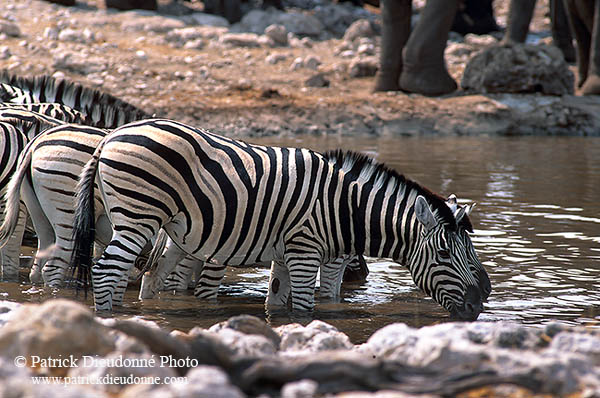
(228, 202)
(46, 179)
(25, 100)
(16, 127)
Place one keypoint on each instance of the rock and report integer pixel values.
(519, 68)
(123, 365)
(201, 382)
(358, 29)
(580, 343)
(316, 336)
(249, 324)
(312, 62)
(55, 328)
(300, 389)
(78, 63)
(278, 33)
(132, 4)
(335, 17)
(154, 23)
(275, 58)
(201, 18)
(247, 345)
(318, 80)
(9, 28)
(240, 40)
(256, 21)
(363, 67)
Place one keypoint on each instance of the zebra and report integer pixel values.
(101, 109)
(228, 202)
(16, 127)
(24, 100)
(46, 179)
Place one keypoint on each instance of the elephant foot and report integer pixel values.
(10, 274)
(427, 80)
(386, 82)
(591, 86)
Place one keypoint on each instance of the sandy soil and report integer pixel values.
(234, 90)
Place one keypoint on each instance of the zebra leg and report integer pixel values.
(210, 279)
(279, 284)
(113, 266)
(154, 280)
(180, 278)
(44, 230)
(11, 252)
(304, 267)
(331, 277)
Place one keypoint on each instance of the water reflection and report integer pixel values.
(537, 232)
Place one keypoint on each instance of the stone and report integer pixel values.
(9, 28)
(299, 23)
(312, 62)
(335, 17)
(153, 23)
(240, 40)
(363, 67)
(519, 68)
(300, 389)
(314, 337)
(54, 328)
(278, 33)
(201, 18)
(359, 29)
(275, 58)
(132, 4)
(249, 324)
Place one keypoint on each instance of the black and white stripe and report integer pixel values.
(229, 202)
(101, 109)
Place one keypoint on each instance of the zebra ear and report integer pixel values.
(469, 208)
(423, 213)
(460, 213)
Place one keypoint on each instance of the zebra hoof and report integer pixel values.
(35, 276)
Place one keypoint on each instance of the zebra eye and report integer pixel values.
(444, 253)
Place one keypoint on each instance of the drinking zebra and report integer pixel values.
(228, 202)
(24, 100)
(45, 180)
(16, 127)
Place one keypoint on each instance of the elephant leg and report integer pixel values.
(582, 31)
(520, 13)
(591, 86)
(395, 15)
(561, 33)
(424, 69)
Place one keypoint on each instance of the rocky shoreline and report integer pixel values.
(305, 70)
(45, 347)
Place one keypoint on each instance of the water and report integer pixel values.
(537, 231)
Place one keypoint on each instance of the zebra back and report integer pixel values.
(104, 110)
(57, 111)
(27, 122)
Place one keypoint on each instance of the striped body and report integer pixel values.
(16, 127)
(228, 202)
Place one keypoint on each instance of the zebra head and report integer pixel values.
(464, 227)
(439, 263)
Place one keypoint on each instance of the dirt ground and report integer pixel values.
(236, 92)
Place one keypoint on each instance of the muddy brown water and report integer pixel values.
(537, 231)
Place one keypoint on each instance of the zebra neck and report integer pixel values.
(379, 220)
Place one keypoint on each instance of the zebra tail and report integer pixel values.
(155, 254)
(13, 197)
(84, 224)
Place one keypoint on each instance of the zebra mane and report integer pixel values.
(368, 170)
(104, 109)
